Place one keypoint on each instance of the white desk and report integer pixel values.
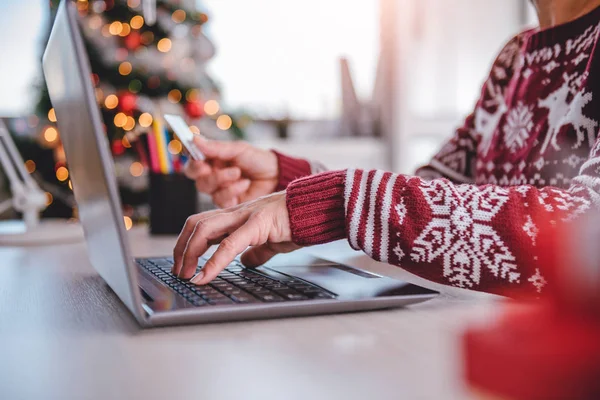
(65, 335)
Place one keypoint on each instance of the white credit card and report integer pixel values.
(185, 135)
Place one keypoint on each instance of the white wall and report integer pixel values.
(441, 52)
(281, 56)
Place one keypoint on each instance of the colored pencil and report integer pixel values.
(139, 146)
(170, 163)
(161, 147)
(152, 149)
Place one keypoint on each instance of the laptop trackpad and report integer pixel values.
(346, 282)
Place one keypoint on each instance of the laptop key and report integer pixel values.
(269, 297)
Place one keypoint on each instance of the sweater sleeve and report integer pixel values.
(474, 237)
(291, 168)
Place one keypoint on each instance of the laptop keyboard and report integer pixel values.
(235, 285)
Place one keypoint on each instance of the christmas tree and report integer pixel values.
(141, 70)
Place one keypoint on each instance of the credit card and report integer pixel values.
(185, 135)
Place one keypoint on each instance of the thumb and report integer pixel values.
(221, 150)
(257, 256)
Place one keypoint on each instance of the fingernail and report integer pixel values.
(196, 279)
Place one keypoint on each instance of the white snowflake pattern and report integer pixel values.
(517, 129)
(572, 205)
(401, 211)
(523, 190)
(531, 229)
(460, 233)
(538, 281)
(398, 252)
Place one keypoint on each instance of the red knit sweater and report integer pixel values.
(528, 154)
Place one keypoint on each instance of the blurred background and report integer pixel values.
(350, 83)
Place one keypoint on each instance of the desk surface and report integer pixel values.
(64, 334)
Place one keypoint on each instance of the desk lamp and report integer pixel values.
(28, 199)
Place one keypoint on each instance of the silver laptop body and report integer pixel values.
(152, 301)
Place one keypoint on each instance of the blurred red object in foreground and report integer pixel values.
(551, 349)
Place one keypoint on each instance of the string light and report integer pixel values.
(145, 120)
(70, 185)
(115, 28)
(30, 166)
(105, 30)
(175, 147)
(125, 68)
(126, 142)
(211, 107)
(120, 120)
(62, 174)
(192, 95)
(52, 115)
(164, 45)
(130, 124)
(99, 95)
(224, 122)
(111, 101)
(174, 96)
(50, 134)
(178, 16)
(126, 30)
(137, 22)
(135, 86)
(49, 198)
(147, 37)
(195, 130)
(133, 3)
(136, 169)
(128, 222)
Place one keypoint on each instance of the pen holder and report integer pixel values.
(173, 198)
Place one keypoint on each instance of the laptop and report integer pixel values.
(289, 285)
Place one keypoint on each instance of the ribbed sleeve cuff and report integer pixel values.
(290, 169)
(316, 208)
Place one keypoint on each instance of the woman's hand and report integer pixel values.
(234, 172)
(263, 223)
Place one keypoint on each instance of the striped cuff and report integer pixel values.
(316, 208)
(290, 169)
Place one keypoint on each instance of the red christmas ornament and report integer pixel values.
(117, 147)
(127, 102)
(194, 109)
(133, 41)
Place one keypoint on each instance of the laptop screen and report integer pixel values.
(68, 76)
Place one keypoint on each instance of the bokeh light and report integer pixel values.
(145, 120)
(52, 115)
(164, 45)
(136, 169)
(224, 122)
(62, 174)
(111, 101)
(211, 107)
(50, 134)
(30, 166)
(175, 147)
